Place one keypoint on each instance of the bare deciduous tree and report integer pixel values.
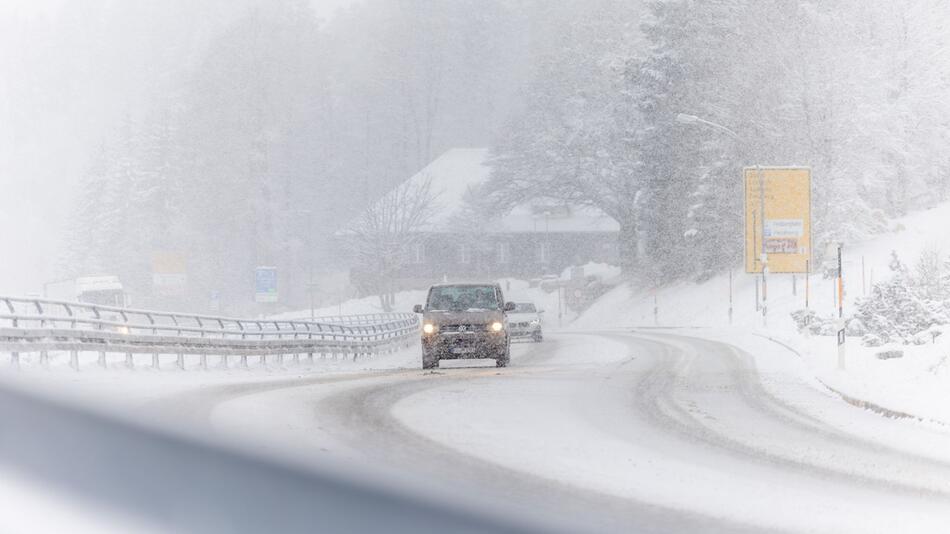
(384, 236)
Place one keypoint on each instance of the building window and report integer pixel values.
(543, 256)
(465, 254)
(419, 253)
(504, 253)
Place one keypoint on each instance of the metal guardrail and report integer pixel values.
(41, 326)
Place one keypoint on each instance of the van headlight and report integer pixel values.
(497, 326)
(428, 328)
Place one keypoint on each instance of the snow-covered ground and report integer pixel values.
(693, 425)
(918, 383)
(656, 430)
(618, 431)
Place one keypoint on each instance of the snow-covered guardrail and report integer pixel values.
(30, 325)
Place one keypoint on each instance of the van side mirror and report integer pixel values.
(510, 306)
(417, 308)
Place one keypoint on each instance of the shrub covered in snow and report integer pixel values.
(899, 309)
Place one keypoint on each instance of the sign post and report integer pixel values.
(841, 324)
(730, 297)
(265, 284)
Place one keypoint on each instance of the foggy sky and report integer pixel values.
(66, 79)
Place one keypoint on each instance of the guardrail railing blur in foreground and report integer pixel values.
(29, 325)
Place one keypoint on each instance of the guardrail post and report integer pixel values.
(244, 361)
(102, 359)
(128, 360)
(296, 359)
(15, 360)
(181, 361)
(204, 362)
(310, 357)
(280, 360)
(264, 361)
(224, 361)
(155, 364)
(74, 359)
(44, 359)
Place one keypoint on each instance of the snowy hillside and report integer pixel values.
(917, 383)
(707, 303)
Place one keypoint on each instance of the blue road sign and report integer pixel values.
(265, 284)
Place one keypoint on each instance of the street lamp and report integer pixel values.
(685, 118)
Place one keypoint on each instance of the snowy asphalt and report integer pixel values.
(615, 431)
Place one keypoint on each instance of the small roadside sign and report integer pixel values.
(265, 284)
(169, 273)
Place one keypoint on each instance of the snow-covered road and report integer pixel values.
(649, 430)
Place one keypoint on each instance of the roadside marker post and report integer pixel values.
(656, 310)
(841, 323)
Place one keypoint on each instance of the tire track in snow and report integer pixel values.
(664, 394)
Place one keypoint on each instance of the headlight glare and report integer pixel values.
(497, 326)
(428, 328)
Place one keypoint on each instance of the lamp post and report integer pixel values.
(685, 118)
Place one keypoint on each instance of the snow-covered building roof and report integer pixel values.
(459, 171)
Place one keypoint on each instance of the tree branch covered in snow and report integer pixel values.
(381, 240)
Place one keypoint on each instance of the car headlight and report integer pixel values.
(535, 322)
(497, 326)
(428, 328)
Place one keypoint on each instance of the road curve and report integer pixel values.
(632, 431)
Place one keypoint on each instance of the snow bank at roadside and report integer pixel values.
(514, 289)
(917, 383)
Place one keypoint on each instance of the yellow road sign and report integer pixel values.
(783, 238)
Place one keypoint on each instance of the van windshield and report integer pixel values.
(462, 298)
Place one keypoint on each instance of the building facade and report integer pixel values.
(539, 238)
